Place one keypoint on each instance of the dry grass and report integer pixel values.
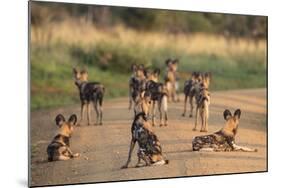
(79, 32)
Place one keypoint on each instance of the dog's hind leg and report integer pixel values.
(101, 114)
(184, 106)
(89, 113)
(97, 111)
(160, 112)
(191, 106)
(165, 109)
(132, 145)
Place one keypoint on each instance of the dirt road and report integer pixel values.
(104, 148)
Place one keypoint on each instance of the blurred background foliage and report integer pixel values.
(107, 40)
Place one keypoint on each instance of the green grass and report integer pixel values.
(52, 82)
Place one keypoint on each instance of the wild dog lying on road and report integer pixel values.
(158, 95)
(150, 150)
(192, 88)
(59, 148)
(90, 92)
(223, 140)
(171, 80)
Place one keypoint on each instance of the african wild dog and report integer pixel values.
(152, 74)
(90, 92)
(192, 88)
(158, 94)
(202, 107)
(150, 150)
(172, 79)
(137, 85)
(59, 148)
(136, 81)
(224, 139)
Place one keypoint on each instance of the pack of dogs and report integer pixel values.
(145, 93)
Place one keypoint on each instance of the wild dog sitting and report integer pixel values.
(171, 80)
(202, 107)
(158, 94)
(150, 150)
(224, 139)
(59, 148)
(90, 92)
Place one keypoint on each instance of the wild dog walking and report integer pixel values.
(171, 80)
(59, 148)
(224, 139)
(158, 94)
(90, 92)
(150, 150)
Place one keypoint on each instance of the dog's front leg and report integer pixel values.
(191, 106)
(241, 148)
(196, 119)
(71, 154)
(83, 105)
(153, 113)
(132, 145)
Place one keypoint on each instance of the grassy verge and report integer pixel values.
(108, 60)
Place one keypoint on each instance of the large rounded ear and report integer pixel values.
(84, 71)
(72, 119)
(157, 71)
(75, 70)
(176, 61)
(141, 66)
(227, 114)
(133, 67)
(237, 113)
(59, 120)
(167, 61)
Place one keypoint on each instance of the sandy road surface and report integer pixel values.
(104, 148)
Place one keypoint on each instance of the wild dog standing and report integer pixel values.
(202, 107)
(134, 74)
(150, 150)
(171, 80)
(137, 85)
(224, 139)
(152, 74)
(192, 88)
(158, 95)
(59, 148)
(90, 92)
